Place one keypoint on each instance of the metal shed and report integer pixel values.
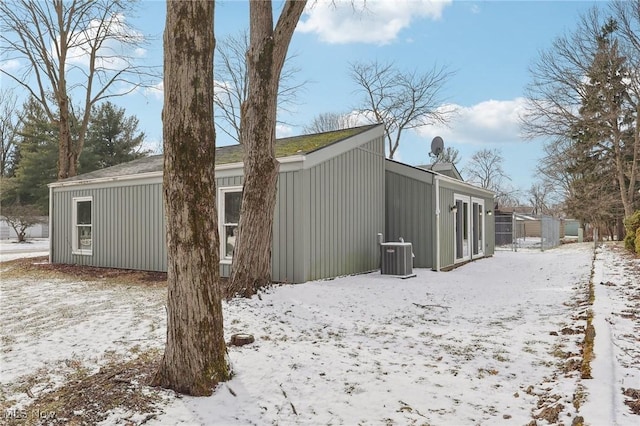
(329, 209)
(447, 220)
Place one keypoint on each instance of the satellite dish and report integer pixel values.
(437, 145)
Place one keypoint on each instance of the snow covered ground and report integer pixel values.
(496, 341)
(33, 247)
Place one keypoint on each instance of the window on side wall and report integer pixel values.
(83, 226)
(229, 213)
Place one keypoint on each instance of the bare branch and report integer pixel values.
(400, 100)
(80, 50)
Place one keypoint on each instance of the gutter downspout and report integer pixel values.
(437, 186)
(50, 224)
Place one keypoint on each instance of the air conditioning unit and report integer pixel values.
(396, 258)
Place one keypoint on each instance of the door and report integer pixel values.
(477, 227)
(462, 225)
(469, 234)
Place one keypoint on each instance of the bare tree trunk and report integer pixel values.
(194, 360)
(65, 152)
(251, 267)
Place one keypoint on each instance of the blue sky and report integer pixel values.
(489, 44)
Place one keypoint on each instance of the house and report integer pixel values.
(448, 220)
(331, 204)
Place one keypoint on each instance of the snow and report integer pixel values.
(617, 344)
(476, 345)
(33, 247)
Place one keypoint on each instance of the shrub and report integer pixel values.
(632, 224)
(638, 241)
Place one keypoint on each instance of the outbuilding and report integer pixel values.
(336, 193)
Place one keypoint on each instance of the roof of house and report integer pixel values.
(284, 147)
(447, 169)
(421, 171)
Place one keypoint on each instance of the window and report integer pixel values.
(229, 212)
(83, 226)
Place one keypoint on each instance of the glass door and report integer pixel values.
(462, 225)
(477, 227)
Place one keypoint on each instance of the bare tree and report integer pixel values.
(539, 198)
(251, 268)
(563, 82)
(330, 121)
(9, 121)
(232, 83)
(400, 100)
(627, 16)
(80, 50)
(194, 359)
(447, 155)
(485, 170)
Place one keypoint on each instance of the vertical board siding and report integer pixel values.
(409, 212)
(128, 227)
(447, 222)
(346, 211)
(287, 231)
(326, 220)
(447, 226)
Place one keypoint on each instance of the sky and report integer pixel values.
(488, 45)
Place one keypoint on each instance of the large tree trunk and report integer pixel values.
(65, 151)
(251, 268)
(194, 360)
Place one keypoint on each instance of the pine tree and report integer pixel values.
(112, 138)
(602, 137)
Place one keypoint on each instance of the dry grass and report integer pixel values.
(39, 267)
(87, 399)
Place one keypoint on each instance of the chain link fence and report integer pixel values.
(515, 231)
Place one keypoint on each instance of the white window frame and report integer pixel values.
(482, 225)
(75, 249)
(221, 221)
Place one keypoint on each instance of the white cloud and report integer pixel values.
(156, 91)
(10, 65)
(370, 21)
(116, 50)
(283, 131)
(488, 122)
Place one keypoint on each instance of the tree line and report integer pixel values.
(584, 97)
(30, 145)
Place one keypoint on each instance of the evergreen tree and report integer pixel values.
(37, 158)
(602, 137)
(112, 138)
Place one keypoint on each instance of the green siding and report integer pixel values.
(128, 227)
(287, 243)
(409, 213)
(346, 212)
(326, 219)
(447, 226)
